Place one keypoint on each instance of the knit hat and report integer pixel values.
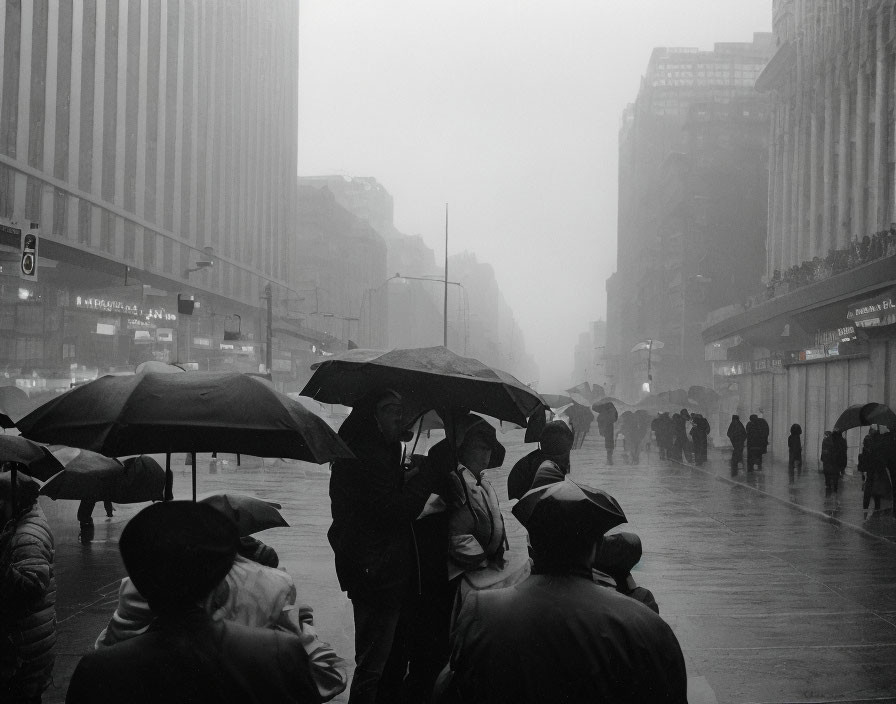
(176, 552)
(556, 439)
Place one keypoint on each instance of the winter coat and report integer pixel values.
(757, 438)
(766, 430)
(476, 533)
(561, 638)
(27, 604)
(192, 658)
(737, 434)
(794, 445)
(373, 510)
(833, 454)
(874, 460)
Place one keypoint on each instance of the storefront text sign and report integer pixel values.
(134, 312)
(874, 312)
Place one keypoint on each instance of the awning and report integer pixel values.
(874, 312)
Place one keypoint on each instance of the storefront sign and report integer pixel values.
(827, 337)
(237, 348)
(132, 310)
(874, 312)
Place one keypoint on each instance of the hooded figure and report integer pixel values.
(372, 536)
(737, 434)
(175, 553)
(794, 448)
(556, 442)
(593, 643)
(699, 437)
(606, 420)
(27, 593)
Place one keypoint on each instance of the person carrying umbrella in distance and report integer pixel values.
(555, 444)
(606, 425)
(176, 553)
(593, 644)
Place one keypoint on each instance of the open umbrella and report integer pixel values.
(866, 414)
(13, 405)
(250, 514)
(567, 506)
(154, 365)
(606, 406)
(34, 460)
(193, 412)
(427, 377)
(557, 400)
(92, 476)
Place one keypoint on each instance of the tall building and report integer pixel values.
(820, 334)
(692, 207)
(589, 356)
(154, 144)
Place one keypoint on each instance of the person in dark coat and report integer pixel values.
(662, 430)
(555, 444)
(176, 552)
(27, 593)
(606, 425)
(833, 459)
(593, 644)
(757, 441)
(581, 419)
(676, 450)
(737, 434)
(794, 448)
(766, 433)
(700, 438)
(372, 535)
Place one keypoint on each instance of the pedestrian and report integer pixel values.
(833, 459)
(253, 593)
(581, 418)
(700, 438)
(737, 435)
(374, 507)
(766, 433)
(556, 441)
(176, 553)
(640, 428)
(687, 447)
(558, 636)
(795, 448)
(27, 593)
(628, 427)
(85, 517)
(677, 427)
(662, 429)
(606, 425)
(756, 442)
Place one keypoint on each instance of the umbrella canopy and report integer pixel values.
(702, 396)
(606, 406)
(866, 414)
(192, 412)
(89, 475)
(565, 506)
(427, 377)
(250, 514)
(13, 405)
(154, 365)
(36, 460)
(557, 400)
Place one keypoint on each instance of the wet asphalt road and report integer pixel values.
(776, 592)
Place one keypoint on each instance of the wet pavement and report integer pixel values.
(776, 592)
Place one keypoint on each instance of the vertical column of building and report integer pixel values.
(879, 189)
(74, 118)
(787, 180)
(827, 200)
(50, 92)
(120, 150)
(773, 236)
(859, 171)
(843, 170)
(801, 159)
(23, 126)
(815, 168)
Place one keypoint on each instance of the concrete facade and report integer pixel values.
(692, 204)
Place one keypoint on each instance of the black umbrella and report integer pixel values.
(866, 414)
(557, 400)
(427, 377)
(250, 514)
(13, 405)
(35, 461)
(192, 412)
(561, 507)
(92, 476)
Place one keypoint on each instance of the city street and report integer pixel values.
(776, 593)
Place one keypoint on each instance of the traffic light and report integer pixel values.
(29, 252)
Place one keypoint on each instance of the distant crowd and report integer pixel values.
(869, 248)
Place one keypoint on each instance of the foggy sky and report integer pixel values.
(509, 111)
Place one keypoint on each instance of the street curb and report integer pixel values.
(786, 502)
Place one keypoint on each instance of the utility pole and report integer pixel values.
(268, 352)
(445, 308)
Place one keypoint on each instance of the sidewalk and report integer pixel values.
(805, 491)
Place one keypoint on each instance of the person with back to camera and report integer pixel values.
(27, 593)
(795, 448)
(833, 459)
(175, 553)
(737, 434)
(558, 636)
(556, 442)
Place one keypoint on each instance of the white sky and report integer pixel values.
(509, 111)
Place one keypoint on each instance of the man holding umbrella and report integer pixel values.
(593, 644)
(372, 536)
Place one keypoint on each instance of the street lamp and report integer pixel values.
(648, 345)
